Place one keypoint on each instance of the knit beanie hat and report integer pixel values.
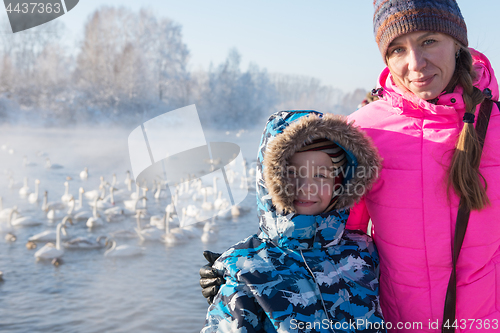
(339, 160)
(393, 18)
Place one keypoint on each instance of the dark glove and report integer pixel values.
(210, 280)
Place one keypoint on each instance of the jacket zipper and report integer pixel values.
(320, 295)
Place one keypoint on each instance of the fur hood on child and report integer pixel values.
(302, 272)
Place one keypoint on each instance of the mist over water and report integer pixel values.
(155, 292)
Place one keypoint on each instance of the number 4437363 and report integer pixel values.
(35, 7)
(472, 323)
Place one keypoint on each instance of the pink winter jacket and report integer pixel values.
(413, 219)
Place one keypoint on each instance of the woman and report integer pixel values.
(432, 84)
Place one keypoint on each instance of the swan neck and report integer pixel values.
(44, 204)
(12, 212)
(139, 221)
(80, 200)
(113, 246)
(71, 208)
(167, 223)
(58, 236)
(94, 209)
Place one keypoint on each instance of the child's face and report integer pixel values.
(313, 176)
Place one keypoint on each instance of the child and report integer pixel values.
(303, 272)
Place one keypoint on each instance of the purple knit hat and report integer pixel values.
(393, 18)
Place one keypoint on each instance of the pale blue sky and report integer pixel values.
(328, 39)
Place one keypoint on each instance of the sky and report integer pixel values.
(331, 40)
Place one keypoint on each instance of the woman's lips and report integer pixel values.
(303, 203)
(425, 81)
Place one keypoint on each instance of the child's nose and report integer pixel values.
(304, 185)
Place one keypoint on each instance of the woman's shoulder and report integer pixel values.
(365, 116)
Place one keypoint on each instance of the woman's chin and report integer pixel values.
(427, 94)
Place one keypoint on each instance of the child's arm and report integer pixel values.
(234, 310)
(358, 217)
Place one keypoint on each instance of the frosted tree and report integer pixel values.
(305, 93)
(131, 61)
(20, 54)
(351, 100)
(236, 99)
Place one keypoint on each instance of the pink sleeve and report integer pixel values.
(358, 217)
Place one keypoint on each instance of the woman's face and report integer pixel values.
(422, 62)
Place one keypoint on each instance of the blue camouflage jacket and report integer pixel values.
(302, 273)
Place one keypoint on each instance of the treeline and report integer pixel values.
(132, 66)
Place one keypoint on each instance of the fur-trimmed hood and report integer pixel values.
(285, 133)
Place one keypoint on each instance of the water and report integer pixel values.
(156, 292)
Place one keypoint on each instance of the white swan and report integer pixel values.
(49, 165)
(26, 163)
(114, 214)
(172, 236)
(192, 211)
(8, 228)
(124, 234)
(109, 200)
(66, 197)
(51, 235)
(135, 195)
(33, 197)
(84, 174)
(25, 190)
(55, 205)
(159, 193)
(23, 221)
(55, 214)
(144, 209)
(210, 231)
(85, 243)
(80, 212)
(117, 195)
(132, 209)
(95, 220)
(91, 195)
(221, 203)
(128, 181)
(123, 250)
(51, 251)
(147, 234)
(4, 212)
(157, 221)
(206, 205)
(210, 190)
(188, 225)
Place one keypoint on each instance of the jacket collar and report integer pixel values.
(301, 232)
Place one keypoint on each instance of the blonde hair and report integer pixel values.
(464, 175)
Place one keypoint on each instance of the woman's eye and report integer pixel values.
(397, 50)
(429, 41)
(319, 175)
(291, 173)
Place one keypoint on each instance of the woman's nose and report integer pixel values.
(416, 60)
